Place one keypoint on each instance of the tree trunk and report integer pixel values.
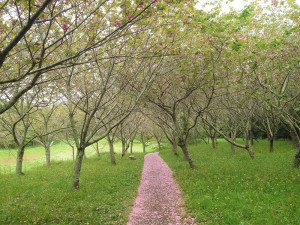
(47, 153)
(144, 144)
(20, 155)
(249, 146)
(232, 149)
(131, 145)
(77, 168)
(296, 142)
(251, 136)
(174, 147)
(232, 136)
(182, 145)
(271, 140)
(97, 149)
(213, 142)
(73, 153)
(111, 151)
(123, 147)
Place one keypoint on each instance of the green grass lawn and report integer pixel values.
(35, 155)
(44, 195)
(226, 189)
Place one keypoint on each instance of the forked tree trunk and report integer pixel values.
(20, 155)
(182, 145)
(77, 168)
(111, 151)
(47, 153)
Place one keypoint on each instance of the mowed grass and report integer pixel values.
(44, 195)
(35, 155)
(226, 189)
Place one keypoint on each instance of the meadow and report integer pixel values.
(35, 155)
(222, 189)
(227, 189)
(44, 195)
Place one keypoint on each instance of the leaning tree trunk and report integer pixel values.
(47, 153)
(97, 149)
(111, 151)
(249, 146)
(20, 155)
(77, 168)
(186, 154)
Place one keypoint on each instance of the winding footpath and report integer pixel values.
(159, 200)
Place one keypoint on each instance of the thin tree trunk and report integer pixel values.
(20, 155)
(232, 136)
(144, 144)
(97, 149)
(271, 140)
(131, 145)
(111, 151)
(77, 168)
(123, 147)
(73, 152)
(47, 153)
(249, 147)
(182, 145)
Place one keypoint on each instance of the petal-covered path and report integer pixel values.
(159, 199)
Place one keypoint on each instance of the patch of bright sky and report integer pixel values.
(226, 5)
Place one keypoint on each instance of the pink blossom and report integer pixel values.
(140, 6)
(65, 26)
(171, 35)
(200, 26)
(186, 20)
(117, 23)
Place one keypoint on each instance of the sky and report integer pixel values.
(237, 4)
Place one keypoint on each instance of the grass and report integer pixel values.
(226, 189)
(44, 195)
(35, 155)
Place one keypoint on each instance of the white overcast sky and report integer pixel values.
(236, 4)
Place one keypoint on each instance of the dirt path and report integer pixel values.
(159, 200)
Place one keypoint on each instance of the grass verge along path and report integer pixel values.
(44, 195)
(226, 189)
